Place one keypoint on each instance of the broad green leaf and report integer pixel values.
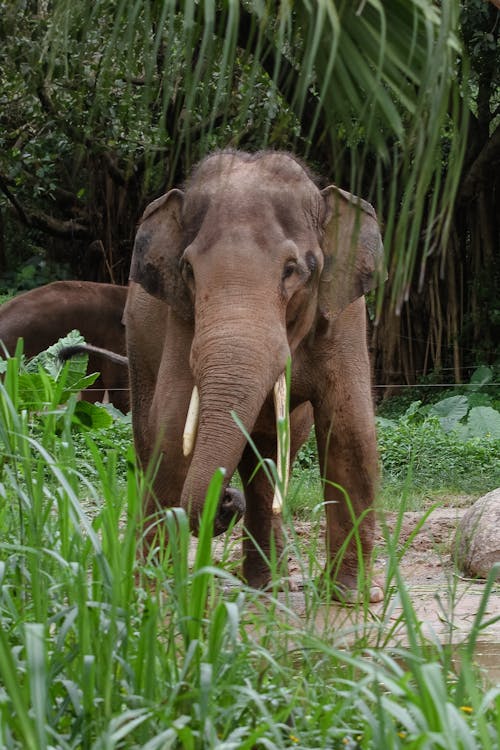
(481, 376)
(484, 421)
(450, 411)
(91, 416)
(79, 385)
(49, 359)
(33, 389)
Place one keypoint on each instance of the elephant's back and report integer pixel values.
(41, 316)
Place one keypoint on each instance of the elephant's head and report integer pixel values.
(257, 257)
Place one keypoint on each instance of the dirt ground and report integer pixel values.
(445, 602)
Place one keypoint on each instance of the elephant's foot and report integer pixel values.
(255, 576)
(262, 579)
(344, 588)
(259, 575)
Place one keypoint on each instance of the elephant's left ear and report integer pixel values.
(353, 251)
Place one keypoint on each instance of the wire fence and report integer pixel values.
(436, 385)
(378, 385)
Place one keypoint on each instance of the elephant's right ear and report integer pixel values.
(157, 250)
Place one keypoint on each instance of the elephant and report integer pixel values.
(45, 314)
(250, 266)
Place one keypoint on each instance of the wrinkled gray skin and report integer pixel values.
(250, 265)
(47, 313)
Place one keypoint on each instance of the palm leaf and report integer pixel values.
(367, 79)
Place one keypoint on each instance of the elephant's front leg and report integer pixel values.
(347, 450)
(264, 537)
(348, 461)
(261, 524)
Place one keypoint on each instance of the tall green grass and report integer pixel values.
(103, 646)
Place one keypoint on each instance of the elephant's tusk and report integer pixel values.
(283, 447)
(191, 427)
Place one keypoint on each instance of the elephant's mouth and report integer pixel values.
(231, 508)
(283, 432)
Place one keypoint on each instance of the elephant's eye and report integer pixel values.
(289, 269)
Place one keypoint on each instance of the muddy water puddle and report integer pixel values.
(487, 658)
(444, 604)
(441, 620)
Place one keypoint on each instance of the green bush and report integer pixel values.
(450, 445)
(437, 460)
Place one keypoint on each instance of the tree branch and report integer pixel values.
(41, 220)
(59, 227)
(13, 200)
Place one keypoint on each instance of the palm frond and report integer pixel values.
(369, 84)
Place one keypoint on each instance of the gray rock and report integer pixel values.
(478, 537)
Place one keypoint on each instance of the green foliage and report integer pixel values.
(102, 647)
(307, 457)
(101, 96)
(30, 272)
(44, 383)
(470, 414)
(450, 445)
(479, 391)
(457, 413)
(436, 460)
(482, 47)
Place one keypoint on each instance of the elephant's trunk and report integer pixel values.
(235, 371)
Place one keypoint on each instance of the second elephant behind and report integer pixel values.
(45, 314)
